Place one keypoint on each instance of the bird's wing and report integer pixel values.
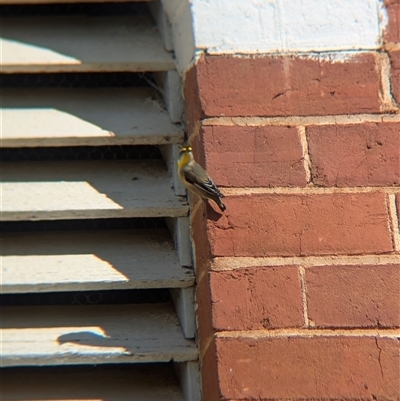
(199, 178)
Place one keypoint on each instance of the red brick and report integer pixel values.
(254, 156)
(202, 258)
(291, 225)
(354, 296)
(286, 85)
(256, 298)
(192, 98)
(395, 74)
(355, 155)
(197, 142)
(392, 32)
(204, 311)
(209, 373)
(340, 368)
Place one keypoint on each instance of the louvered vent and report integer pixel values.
(97, 284)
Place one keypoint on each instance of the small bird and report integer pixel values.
(196, 179)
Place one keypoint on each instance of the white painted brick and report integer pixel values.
(331, 25)
(257, 26)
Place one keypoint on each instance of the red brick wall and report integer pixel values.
(299, 280)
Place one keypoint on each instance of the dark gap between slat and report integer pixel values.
(78, 80)
(82, 9)
(78, 225)
(122, 152)
(105, 297)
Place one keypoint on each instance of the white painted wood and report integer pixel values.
(180, 231)
(153, 382)
(189, 377)
(87, 189)
(226, 26)
(180, 18)
(78, 44)
(170, 83)
(55, 335)
(90, 260)
(183, 299)
(170, 154)
(184, 241)
(84, 117)
(163, 26)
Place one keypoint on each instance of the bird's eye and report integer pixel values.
(189, 148)
(183, 149)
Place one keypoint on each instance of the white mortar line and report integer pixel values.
(303, 286)
(302, 120)
(394, 221)
(308, 190)
(333, 55)
(306, 155)
(232, 263)
(392, 46)
(285, 333)
(385, 95)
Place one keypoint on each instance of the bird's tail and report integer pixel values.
(221, 205)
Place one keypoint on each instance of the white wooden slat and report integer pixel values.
(170, 82)
(87, 189)
(171, 155)
(84, 117)
(153, 382)
(180, 231)
(161, 20)
(183, 299)
(55, 335)
(82, 44)
(180, 17)
(189, 377)
(90, 260)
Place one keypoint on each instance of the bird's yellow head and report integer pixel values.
(185, 156)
